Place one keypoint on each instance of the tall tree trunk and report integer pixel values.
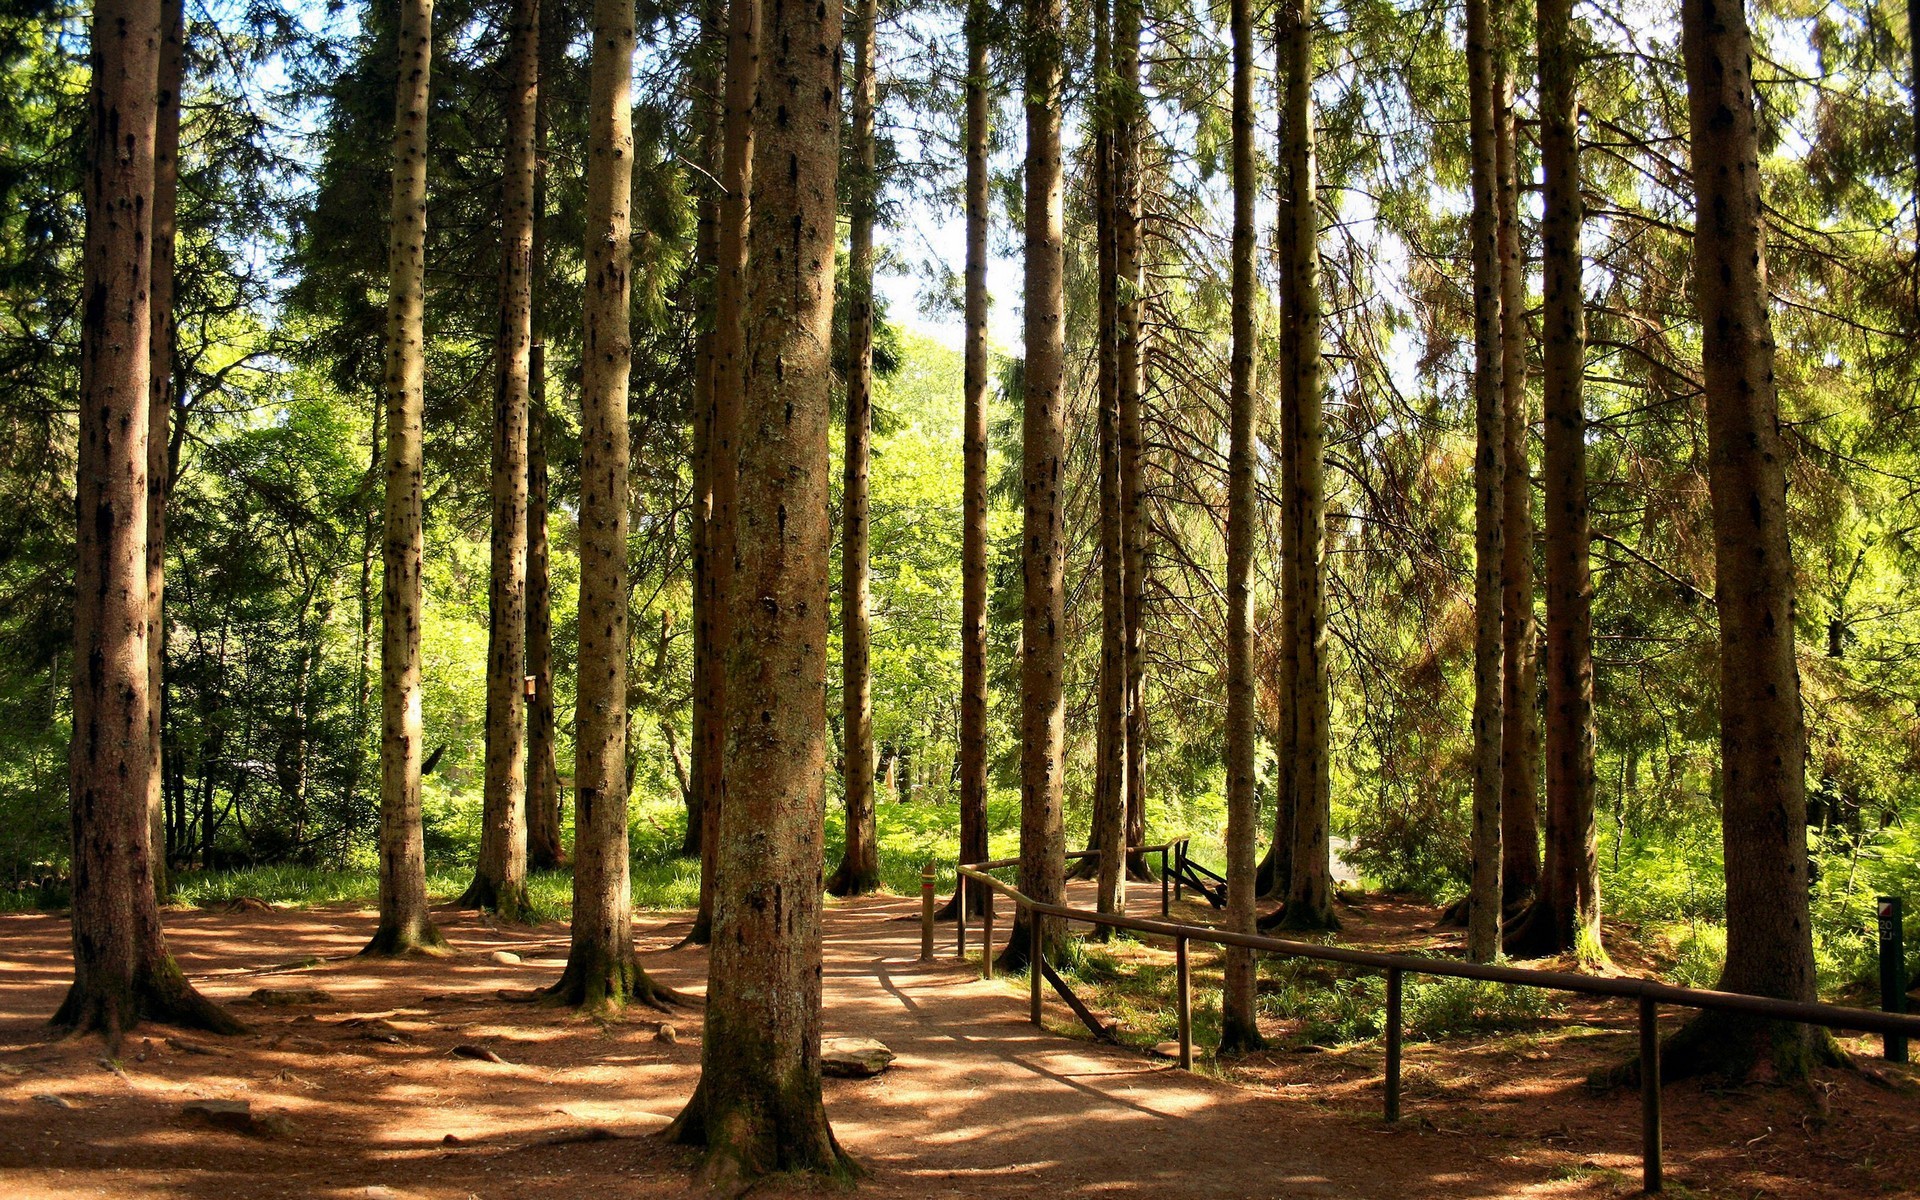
(1275, 876)
(729, 390)
(166, 204)
(1489, 477)
(711, 54)
(859, 870)
(973, 538)
(405, 924)
(1109, 832)
(122, 972)
(1129, 122)
(500, 876)
(1565, 914)
(1239, 1016)
(1310, 891)
(1520, 736)
(758, 1108)
(1763, 806)
(1043, 446)
(602, 973)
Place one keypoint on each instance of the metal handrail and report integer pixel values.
(1649, 993)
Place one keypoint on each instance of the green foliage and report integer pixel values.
(1335, 1005)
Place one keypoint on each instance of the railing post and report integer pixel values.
(986, 938)
(960, 921)
(1164, 910)
(1036, 966)
(1893, 971)
(1179, 867)
(1183, 1001)
(1650, 1172)
(1394, 988)
(926, 913)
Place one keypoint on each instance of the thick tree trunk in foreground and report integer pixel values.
(973, 537)
(1565, 914)
(122, 970)
(1520, 736)
(758, 1108)
(1109, 825)
(500, 876)
(166, 204)
(405, 925)
(1763, 805)
(1239, 1017)
(1489, 479)
(1043, 448)
(601, 972)
(723, 470)
(859, 870)
(1129, 118)
(1310, 886)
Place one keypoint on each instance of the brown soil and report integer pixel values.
(378, 1100)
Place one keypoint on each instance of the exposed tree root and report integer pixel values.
(849, 880)
(1543, 931)
(1731, 1046)
(406, 940)
(761, 1136)
(607, 987)
(160, 992)
(485, 895)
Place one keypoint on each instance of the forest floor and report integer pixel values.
(368, 1094)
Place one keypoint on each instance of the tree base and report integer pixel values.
(1137, 869)
(510, 904)
(849, 880)
(159, 993)
(1240, 1037)
(978, 901)
(1543, 931)
(406, 939)
(1731, 1046)
(1297, 920)
(751, 1140)
(607, 986)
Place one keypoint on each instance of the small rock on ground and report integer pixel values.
(854, 1058)
(282, 996)
(505, 958)
(238, 1116)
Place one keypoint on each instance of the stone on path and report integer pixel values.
(853, 1058)
(505, 958)
(284, 996)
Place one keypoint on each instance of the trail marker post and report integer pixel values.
(1893, 970)
(926, 913)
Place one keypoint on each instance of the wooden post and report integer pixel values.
(926, 913)
(960, 920)
(1179, 867)
(1183, 1001)
(1393, 1044)
(986, 938)
(1035, 966)
(1650, 1167)
(1164, 911)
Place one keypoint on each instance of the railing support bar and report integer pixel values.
(960, 921)
(1036, 958)
(1650, 1096)
(1394, 990)
(986, 938)
(1183, 1002)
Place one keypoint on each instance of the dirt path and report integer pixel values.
(979, 1102)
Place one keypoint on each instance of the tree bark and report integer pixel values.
(500, 876)
(1239, 1017)
(405, 924)
(973, 538)
(123, 972)
(1129, 121)
(859, 871)
(160, 396)
(546, 848)
(757, 1109)
(1043, 447)
(1489, 477)
(1310, 886)
(1520, 735)
(729, 389)
(708, 80)
(1109, 832)
(1763, 804)
(602, 973)
(1565, 914)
